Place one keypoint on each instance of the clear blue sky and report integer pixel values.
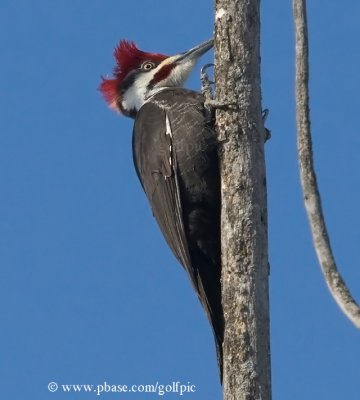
(89, 290)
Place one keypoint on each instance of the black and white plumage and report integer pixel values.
(175, 156)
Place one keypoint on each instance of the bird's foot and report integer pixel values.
(206, 83)
(218, 105)
(264, 115)
(211, 103)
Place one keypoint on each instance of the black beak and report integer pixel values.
(195, 52)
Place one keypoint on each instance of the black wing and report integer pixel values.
(176, 161)
(156, 166)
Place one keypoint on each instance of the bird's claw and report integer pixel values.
(220, 105)
(205, 67)
(267, 134)
(264, 115)
(206, 83)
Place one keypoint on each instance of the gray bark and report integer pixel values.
(312, 199)
(244, 211)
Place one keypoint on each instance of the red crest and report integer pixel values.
(128, 57)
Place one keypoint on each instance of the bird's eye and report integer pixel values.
(147, 66)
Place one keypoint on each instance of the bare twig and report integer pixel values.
(335, 282)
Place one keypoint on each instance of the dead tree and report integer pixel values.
(244, 207)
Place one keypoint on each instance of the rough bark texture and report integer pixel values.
(312, 199)
(244, 213)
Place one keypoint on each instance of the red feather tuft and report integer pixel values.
(109, 89)
(128, 57)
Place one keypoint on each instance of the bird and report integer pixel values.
(175, 153)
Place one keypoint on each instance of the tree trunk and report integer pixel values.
(245, 267)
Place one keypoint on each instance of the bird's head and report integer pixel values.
(138, 75)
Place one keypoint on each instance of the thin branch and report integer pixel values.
(335, 282)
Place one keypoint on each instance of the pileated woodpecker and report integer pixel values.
(175, 156)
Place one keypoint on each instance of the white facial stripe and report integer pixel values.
(178, 75)
(137, 94)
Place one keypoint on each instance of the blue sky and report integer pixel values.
(89, 290)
